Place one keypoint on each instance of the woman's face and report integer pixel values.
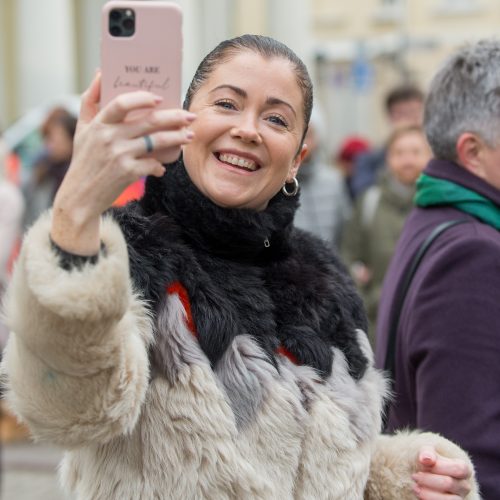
(249, 125)
(407, 156)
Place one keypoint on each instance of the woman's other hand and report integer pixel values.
(441, 478)
(110, 153)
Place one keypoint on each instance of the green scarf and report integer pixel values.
(432, 191)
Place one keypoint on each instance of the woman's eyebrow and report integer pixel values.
(235, 89)
(271, 101)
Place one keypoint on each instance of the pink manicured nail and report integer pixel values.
(158, 98)
(189, 134)
(190, 117)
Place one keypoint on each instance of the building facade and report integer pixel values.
(355, 50)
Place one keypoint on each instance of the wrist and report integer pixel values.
(74, 230)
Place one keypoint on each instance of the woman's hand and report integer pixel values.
(110, 153)
(441, 478)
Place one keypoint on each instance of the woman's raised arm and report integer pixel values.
(110, 152)
(76, 364)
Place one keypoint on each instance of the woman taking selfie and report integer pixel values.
(194, 344)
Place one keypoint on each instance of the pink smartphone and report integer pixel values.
(141, 49)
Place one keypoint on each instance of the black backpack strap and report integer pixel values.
(402, 290)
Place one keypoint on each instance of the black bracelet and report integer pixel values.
(69, 261)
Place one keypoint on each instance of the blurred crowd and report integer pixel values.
(357, 197)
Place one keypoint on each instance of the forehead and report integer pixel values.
(409, 138)
(270, 76)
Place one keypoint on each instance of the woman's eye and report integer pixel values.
(278, 120)
(225, 104)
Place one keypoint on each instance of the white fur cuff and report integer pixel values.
(90, 293)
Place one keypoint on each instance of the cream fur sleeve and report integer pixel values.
(76, 365)
(395, 459)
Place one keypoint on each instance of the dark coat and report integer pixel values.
(448, 347)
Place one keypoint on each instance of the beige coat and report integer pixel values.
(78, 375)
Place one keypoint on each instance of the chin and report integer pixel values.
(227, 196)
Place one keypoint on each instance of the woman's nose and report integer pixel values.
(247, 131)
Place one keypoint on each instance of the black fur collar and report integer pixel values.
(237, 234)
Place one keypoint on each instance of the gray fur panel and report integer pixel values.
(175, 345)
(245, 374)
(363, 399)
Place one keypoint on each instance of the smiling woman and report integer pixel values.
(247, 134)
(201, 346)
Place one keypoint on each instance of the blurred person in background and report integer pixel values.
(345, 158)
(447, 351)
(371, 235)
(52, 163)
(11, 212)
(404, 105)
(324, 202)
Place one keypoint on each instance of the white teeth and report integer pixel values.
(238, 161)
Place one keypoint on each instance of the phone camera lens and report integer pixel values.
(115, 15)
(128, 24)
(116, 31)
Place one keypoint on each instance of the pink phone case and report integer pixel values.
(150, 59)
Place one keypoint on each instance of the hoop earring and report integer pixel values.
(295, 190)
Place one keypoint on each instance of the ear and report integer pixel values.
(297, 161)
(470, 151)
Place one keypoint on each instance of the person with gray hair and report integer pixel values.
(444, 347)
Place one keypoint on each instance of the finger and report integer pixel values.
(149, 166)
(164, 119)
(160, 141)
(442, 484)
(117, 110)
(427, 456)
(90, 99)
(453, 467)
(425, 494)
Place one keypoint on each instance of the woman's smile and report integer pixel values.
(239, 162)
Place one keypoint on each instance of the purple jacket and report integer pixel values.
(448, 341)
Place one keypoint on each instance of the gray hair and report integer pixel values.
(464, 96)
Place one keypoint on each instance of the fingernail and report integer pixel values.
(189, 134)
(158, 98)
(190, 117)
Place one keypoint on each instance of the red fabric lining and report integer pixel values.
(285, 352)
(177, 288)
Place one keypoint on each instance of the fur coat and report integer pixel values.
(207, 353)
